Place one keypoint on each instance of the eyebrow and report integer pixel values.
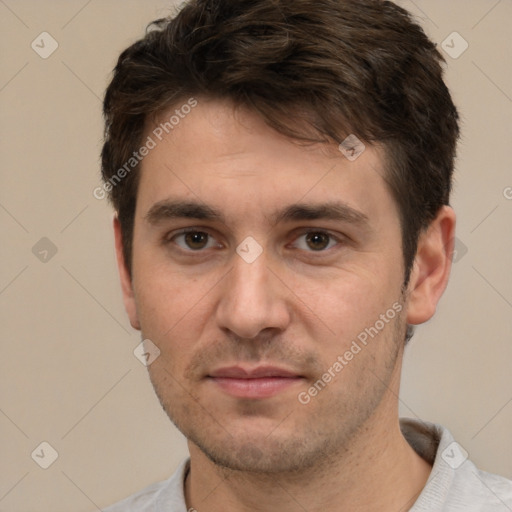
(333, 210)
(168, 209)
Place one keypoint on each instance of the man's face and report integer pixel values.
(245, 334)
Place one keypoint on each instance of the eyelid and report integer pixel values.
(191, 229)
(169, 238)
(306, 231)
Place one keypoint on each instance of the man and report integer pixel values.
(281, 173)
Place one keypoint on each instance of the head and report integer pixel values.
(226, 121)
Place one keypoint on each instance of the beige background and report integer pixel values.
(68, 373)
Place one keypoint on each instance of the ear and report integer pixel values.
(431, 269)
(124, 275)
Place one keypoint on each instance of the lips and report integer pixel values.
(256, 383)
(237, 372)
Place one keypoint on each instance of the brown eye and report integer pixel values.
(317, 241)
(193, 240)
(196, 240)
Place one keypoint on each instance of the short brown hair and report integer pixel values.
(315, 70)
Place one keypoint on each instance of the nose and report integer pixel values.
(252, 299)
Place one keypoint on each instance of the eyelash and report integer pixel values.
(171, 239)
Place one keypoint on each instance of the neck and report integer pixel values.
(378, 471)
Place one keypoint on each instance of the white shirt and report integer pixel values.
(454, 484)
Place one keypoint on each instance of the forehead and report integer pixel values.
(227, 157)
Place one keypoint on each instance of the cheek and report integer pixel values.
(172, 311)
(165, 295)
(347, 303)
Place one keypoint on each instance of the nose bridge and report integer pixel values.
(250, 278)
(250, 300)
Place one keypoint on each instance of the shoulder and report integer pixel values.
(474, 490)
(141, 501)
(168, 494)
(455, 483)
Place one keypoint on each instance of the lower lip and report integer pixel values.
(263, 387)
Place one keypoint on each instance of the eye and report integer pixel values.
(194, 240)
(316, 241)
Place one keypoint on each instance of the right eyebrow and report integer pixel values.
(169, 209)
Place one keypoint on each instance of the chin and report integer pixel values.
(264, 454)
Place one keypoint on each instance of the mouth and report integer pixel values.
(256, 383)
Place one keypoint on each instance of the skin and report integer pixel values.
(298, 306)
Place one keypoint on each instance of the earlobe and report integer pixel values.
(431, 268)
(125, 278)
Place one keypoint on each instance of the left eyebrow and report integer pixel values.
(333, 210)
